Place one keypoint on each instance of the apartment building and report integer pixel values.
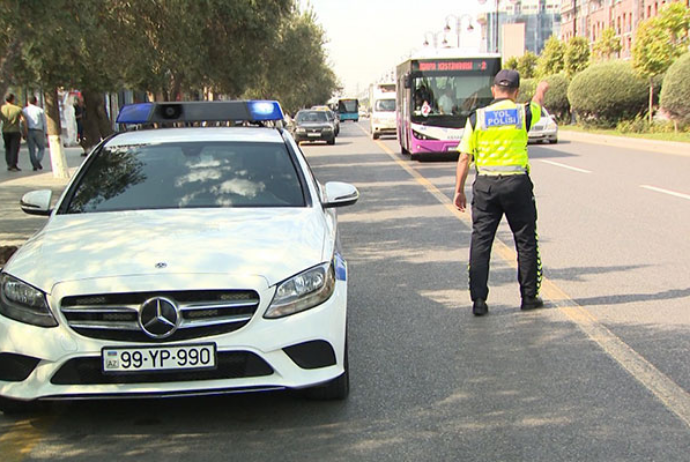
(522, 25)
(589, 18)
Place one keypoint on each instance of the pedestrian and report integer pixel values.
(35, 123)
(79, 117)
(495, 138)
(11, 117)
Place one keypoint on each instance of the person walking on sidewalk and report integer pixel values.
(496, 138)
(35, 133)
(11, 117)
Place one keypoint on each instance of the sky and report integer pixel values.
(368, 38)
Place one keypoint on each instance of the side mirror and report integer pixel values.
(37, 202)
(340, 194)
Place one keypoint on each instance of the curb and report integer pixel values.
(640, 144)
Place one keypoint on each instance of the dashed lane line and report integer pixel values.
(673, 397)
(569, 167)
(666, 191)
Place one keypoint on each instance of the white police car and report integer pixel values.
(180, 261)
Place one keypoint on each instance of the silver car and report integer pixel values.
(544, 130)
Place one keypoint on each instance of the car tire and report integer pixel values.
(553, 141)
(14, 406)
(331, 141)
(336, 389)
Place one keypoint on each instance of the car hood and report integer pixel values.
(273, 244)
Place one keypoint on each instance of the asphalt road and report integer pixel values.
(601, 374)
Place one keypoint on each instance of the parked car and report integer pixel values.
(180, 261)
(314, 126)
(544, 130)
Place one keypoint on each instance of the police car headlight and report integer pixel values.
(24, 303)
(303, 291)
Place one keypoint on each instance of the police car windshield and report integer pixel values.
(187, 175)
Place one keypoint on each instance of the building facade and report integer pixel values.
(589, 18)
(541, 20)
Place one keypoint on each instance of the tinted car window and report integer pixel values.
(311, 116)
(188, 175)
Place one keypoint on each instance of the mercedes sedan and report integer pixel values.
(180, 261)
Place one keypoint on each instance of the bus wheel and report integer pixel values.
(414, 156)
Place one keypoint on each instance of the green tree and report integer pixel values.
(576, 57)
(675, 92)
(551, 59)
(607, 45)
(511, 63)
(659, 41)
(527, 65)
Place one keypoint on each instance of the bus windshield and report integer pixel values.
(347, 105)
(447, 100)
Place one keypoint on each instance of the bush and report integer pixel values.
(606, 93)
(675, 90)
(556, 99)
(527, 88)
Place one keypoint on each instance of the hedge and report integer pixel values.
(675, 91)
(556, 99)
(605, 93)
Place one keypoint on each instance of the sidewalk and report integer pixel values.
(16, 226)
(641, 144)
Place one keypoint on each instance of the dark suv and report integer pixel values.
(314, 126)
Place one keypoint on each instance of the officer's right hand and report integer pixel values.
(460, 201)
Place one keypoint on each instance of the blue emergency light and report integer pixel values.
(200, 111)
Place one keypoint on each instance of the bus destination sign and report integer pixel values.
(455, 65)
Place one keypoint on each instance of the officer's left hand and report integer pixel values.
(460, 201)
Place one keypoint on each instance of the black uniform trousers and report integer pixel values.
(494, 196)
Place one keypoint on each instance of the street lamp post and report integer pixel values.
(497, 3)
(458, 23)
(435, 38)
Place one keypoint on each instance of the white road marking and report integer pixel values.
(581, 170)
(666, 191)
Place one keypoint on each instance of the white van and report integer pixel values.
(382, 101)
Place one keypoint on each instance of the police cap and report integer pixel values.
(507, 78)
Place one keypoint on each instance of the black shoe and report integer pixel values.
(480, 308)
(531, 303)
(35, 169)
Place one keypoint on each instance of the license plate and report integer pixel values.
(159, 358)
(313, 134)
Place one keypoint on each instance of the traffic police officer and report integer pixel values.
(496, 138)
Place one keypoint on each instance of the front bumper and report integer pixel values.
(541, 135)
(264, 340)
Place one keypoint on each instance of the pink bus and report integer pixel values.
(435, 96)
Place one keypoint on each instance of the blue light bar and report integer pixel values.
(265, 110)
(201, 111)
(135, 113)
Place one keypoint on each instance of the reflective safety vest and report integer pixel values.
(501, 139)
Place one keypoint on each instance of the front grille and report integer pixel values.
(230, 365)
(203, 313)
